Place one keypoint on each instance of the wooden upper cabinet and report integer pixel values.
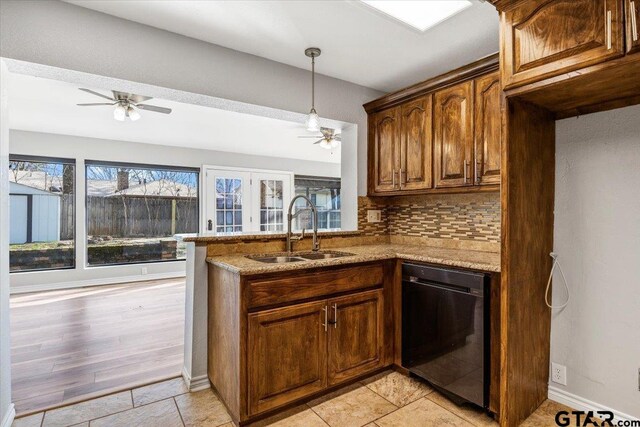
(356, 335)
(287, 355)
(545, 38)
(453, 135)
(386, 150)
(415, 144)
(488, 129)
(633, 20)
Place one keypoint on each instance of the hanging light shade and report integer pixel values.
(133, 113)
(313, 121)
(119, 113)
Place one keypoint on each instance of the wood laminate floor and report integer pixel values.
(73, 345)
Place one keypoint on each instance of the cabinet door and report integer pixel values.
(416, 144)
(386, 163)
(356, 335)
(488, 129)
(287, 350)
(544, 38)
(633, 31)
(453, 135)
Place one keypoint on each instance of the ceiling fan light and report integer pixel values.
(119, 113)
(326, 145)
(313, 121)
(334, 143)
(133, 113)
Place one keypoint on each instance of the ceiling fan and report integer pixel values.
(127, 104)
(328, 139)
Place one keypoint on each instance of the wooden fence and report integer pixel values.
(135, 216)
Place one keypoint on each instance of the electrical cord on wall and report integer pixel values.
(564, 279)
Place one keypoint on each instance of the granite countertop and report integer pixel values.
(245, 236)
(464, 258)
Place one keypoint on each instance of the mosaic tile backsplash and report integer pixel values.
(448, 216)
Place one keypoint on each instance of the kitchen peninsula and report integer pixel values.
(282, 333)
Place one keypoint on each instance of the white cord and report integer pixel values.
(564, 279)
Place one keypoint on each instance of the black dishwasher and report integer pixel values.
(445, 330)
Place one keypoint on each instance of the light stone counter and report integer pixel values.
(464, 258)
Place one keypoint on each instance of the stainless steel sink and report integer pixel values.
(297, 257)
(324, 255)
(276, 259)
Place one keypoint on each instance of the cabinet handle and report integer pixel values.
(477, 171)
(634, 24)
(400, 172)
(465, 175)
(609, 30)
(335, 316)
(393, 179)
(326, 317)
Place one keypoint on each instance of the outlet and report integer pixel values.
(374, 215)
(558, 373)
(143, 271)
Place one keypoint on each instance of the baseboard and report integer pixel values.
(198, 383)
(9, 417)
(95, 282)
(582, 404)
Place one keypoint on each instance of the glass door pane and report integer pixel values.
(227, 203)
(272, 194)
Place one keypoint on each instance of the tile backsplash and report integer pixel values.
(448, 216)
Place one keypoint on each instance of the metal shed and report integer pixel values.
(34, 214)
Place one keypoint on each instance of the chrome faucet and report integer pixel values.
(290, 217)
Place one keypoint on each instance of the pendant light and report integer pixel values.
(313, 121)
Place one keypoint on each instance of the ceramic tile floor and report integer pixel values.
(388, 399)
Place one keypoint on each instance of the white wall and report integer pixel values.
(71, 37)
(81, 149)
(7, 411)
(597, 237)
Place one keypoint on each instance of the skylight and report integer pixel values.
(421, 15)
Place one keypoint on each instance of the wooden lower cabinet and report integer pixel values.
(299, 350)
(356, 335)
(287, 354)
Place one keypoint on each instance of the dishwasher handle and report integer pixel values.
(446, 287)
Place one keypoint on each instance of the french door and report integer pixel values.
(271, 194)
(241, 200)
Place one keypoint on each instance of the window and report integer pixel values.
(42, 220)
(324, 192)
(134, 212)
(420, 15)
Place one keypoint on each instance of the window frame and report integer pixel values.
(328, 179)
(61, 160)
(114, 164)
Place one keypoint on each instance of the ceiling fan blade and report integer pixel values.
(96, 93)
(318, 141)
(154, 108)
(337, 137)
(310, 136)
(96, 103)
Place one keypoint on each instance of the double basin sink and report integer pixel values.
(298, 257)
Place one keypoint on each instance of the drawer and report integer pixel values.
(279, 290)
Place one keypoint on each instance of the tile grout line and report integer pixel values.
(463, 419)
(178, 408)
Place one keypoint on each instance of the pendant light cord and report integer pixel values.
(313, 82)
(564, 279)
